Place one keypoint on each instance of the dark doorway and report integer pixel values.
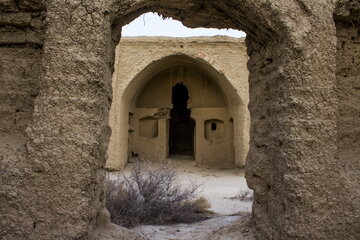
(181, 139)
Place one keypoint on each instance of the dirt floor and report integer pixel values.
(219, 186)
(222, 188)
(218, 228)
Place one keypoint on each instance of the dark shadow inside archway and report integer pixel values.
(181, 132)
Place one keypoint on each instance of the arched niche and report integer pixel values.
(214, 130)
(180, 130)
(148, 127)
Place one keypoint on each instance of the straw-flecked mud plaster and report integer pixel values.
(56, 68)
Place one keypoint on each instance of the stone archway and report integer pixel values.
(292, 103)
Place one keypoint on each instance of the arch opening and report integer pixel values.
(234, 104)
(266, 77)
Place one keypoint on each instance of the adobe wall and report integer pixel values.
(348, 120)
(303, 157)
(227, 56)
(21, 42)
(40, 175)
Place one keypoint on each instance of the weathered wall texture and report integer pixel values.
(42, 196)
(140, 59)
(303, 160)
(21, 40)
(348, 89)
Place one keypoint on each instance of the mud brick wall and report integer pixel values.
(54, 132)
(21, 42)
(348, 89)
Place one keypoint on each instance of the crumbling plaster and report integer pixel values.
(303, 160)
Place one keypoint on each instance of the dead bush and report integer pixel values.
(150, 195)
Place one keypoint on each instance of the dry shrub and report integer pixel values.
(150, 195)
(203, 205)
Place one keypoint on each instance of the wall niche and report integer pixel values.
(148, 127)
(214, 129)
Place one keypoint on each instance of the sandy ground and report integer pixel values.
(218, 186)
(219, 228)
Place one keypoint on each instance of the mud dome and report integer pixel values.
(214, 74)
(57, 60)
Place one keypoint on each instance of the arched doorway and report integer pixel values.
(181, 133)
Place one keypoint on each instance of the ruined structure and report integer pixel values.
(56, 65)
(180, 96)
